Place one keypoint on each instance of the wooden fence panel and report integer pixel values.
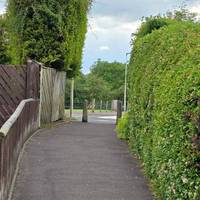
(52, 94)
(55, 99)
(12, 89)
(62, 95)
(33, 81)
(46, 93)
(58, 96)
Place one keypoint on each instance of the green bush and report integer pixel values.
(122, 127)
(164, 99)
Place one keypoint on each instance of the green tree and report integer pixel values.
(88, 87)
(80, 91)
(113, 73)
(104, 83)
(51, 32)
(97, 88)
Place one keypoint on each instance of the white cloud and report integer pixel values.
(111, 25)
(195, 8)
(104, 48)
(2, 7)
(108, 38)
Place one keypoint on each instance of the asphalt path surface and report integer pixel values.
(80, 161)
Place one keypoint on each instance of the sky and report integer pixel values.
(112, 22)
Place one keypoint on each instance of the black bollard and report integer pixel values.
(85, 112)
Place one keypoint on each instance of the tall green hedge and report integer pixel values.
(164, 117)
(49, 31)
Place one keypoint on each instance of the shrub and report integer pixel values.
(164, 117)
(123, 127)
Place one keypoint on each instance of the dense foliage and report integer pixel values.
(97, 88)
(164, 99)
(51, 32)
(113, 73)
(156, 22)
(80, 91)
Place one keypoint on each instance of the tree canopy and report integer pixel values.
(51, 32)
(113, 73)
(105, 82)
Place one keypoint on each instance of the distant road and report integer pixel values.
(98, 117)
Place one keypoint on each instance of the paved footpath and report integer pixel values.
(79, 162)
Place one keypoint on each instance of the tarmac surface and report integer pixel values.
(80, 161)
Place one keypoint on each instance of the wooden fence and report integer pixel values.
(22, 99)
(52, 95)
(12, 89)
(19, 116)
(33, 80)
(14, 133)
(17, 83)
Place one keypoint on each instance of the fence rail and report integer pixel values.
(19, 127)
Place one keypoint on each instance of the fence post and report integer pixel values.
(28, 79)
(32, 80)
(85, 112)
(119, 111)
